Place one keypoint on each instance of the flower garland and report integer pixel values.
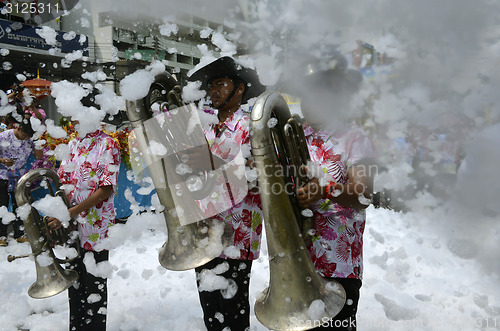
(121, 136)
(50, 144)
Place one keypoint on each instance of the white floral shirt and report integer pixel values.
(228, 142)
(336, 249)
(93, 161)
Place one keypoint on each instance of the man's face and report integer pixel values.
(220, 89)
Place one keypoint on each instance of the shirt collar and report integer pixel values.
(232, 121)
(324, 133)
(308, 129)
(93, 134)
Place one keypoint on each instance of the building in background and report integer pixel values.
(93, 37)
(24, 50)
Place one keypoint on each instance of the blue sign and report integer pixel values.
(17, 33)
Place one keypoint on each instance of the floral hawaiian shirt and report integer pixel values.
(93, 161)
(337, 245)
(227, 142)
(10, 148)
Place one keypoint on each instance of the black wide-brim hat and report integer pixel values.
(226, 67)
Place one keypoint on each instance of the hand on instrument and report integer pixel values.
(54, 224)
(198, 158)
(310, 193)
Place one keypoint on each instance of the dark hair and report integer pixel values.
(25, 127)
(89, 101)
(16, 116)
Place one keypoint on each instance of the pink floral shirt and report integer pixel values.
(93, 162)
(336, 249)
(245, 217)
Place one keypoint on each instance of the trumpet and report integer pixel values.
(189, 244)
(295, 289)
(51, 278)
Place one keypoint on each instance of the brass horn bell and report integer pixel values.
(51, 278)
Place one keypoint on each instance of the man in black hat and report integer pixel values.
(230, 85)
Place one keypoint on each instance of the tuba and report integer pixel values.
(296, 293)
(51, 279)
(189, 244)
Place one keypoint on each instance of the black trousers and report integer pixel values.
(346, 319)
(17, 224)
(88, 297)
(223, 308)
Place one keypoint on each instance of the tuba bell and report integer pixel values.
(51, 278)
(162, 117)
(296, 293)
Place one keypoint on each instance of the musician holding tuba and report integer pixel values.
(229, 86)
(91, 173)
(337, 200)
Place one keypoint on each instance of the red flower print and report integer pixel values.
(319, 261)
(343, 249)
(246, 218)
(241, 235)
(253, 199)
(319, 221)
(329, 269)
(329, 234)
(98, 224)
(360, 226)
(317, 142)
(331, 221)
(87, 246)
(319, 154)
(357, 250)
(327, 154)
(258, 230)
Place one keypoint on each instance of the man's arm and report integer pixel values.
(38, 153)
(359, 182)
(101, 194)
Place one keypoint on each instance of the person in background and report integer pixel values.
(15, 148)
(34, 110)
(91, 171)
(230, 85)
(339, 198)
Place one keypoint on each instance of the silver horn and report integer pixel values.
(51, 279)
(189, 245)
(294, 287)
